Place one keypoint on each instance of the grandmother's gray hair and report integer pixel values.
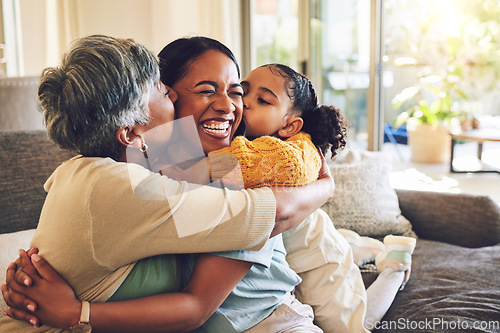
(102, 84)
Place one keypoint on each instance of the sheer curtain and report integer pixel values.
(62, 27)
(221, 20)
(11, 46)
(43, 38)
(218, 19)
(48, 26)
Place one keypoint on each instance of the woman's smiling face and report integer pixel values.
(212, 94)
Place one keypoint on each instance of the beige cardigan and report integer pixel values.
(101, 216)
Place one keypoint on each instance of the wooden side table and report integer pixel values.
(480, 136)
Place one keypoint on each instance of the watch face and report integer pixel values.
(82, 328)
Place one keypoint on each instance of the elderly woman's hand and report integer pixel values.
(192, 171)
(324, 172)
(37, 294)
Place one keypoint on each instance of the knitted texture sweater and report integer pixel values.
(266, 161)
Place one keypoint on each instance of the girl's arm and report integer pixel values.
(55, 304)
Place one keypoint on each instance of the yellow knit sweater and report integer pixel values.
(267, 161)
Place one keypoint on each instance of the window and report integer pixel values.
(340, 32)
(11, 45)
(443, 49)
(274, 32)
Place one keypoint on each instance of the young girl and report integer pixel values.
(282, 116)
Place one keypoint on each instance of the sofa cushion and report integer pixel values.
(28, 159)
(449, 285)
(364, 200)
(462, 219)
(9, 245)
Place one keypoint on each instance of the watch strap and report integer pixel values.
(83, 326)
(85, 315)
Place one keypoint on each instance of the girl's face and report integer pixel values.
(266, 102)
(212, 94)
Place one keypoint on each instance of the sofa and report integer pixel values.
(455, 278)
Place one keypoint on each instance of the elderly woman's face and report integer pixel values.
(161, 110)
(161, 105)
(212, 94)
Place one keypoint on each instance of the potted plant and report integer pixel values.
(427, 109)
(452, 48)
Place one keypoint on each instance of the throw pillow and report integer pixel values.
(364, 200)
(9, 245)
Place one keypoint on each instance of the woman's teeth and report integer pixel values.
(217, 128)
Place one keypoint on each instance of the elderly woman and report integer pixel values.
(96, 224)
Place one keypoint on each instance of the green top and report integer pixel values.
(151, 276)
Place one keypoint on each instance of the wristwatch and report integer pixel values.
(83, 325)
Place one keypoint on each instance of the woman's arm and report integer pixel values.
(212, 280)
(53, 301)
(268, 161)
(224, 220)
(293, 204)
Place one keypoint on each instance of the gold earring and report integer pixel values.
(143, 149)
(144, 146)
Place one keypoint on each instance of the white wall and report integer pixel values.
(117, 18)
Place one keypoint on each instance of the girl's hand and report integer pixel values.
(46, 299)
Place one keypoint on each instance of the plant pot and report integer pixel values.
(429, 143)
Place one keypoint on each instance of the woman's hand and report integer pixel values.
(324, 172)
(37, 294)
(192, 171)
(19, 303)
(294, 204)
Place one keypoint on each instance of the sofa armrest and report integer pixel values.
(461, 219)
